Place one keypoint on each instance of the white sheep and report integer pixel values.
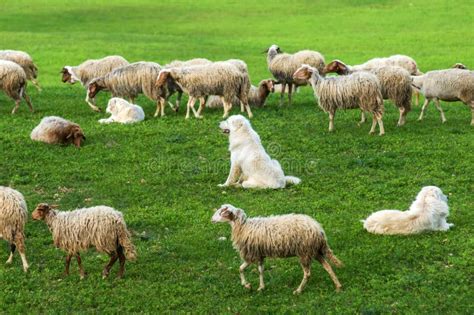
(283, 66)
(278, 237)
(57, 130)
(25, 61)
(359, 90)
(91, 69)
(448, 85)
(13, 82)
(123, 112)
(13, 217)
(75, 231)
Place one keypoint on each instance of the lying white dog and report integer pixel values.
(123, 112)
(250, 165)
(427, 213)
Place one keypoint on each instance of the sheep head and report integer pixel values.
(93, 88)
(66, 76)
(459, 66)
(75, 135)
(162, 77)
(228, 213)
(41, 210)
(336, 66)
(304, 73)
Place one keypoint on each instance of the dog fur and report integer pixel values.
(250, 165)
(427, 213)
(123, 112)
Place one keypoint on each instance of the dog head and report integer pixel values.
(227, 213)
(112, 105)
(233, 124)
(432, 193)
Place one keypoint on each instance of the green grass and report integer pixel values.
(163, 173)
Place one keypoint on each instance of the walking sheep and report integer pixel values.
(90, 69)
(283, 66)
(13, 82)
(130, 81)
(219, 78)
(75, 231)
(278, 237)
(395, 83)
(57, 130)
(13, 216)
(25, 61)
(257, 95)
(358, 90)
(123, 112)
(448, 85)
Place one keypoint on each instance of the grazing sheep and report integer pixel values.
(283, 66)
(448, 85)
(13, 216)
(427, 213)
(172, 87)
(75, 231)
(219, 78)
(278, 237)
(90, 69)
(395, 83)
(123, 112)
(459, 66)
(130, 81)
(257, 95)
(358, 90)
(13, 82)
(57, 130)
(25, 61)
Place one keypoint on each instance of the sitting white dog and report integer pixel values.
(427, 213)
(250, 165)
(123, 112)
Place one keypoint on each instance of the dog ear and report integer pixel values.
(237, 124)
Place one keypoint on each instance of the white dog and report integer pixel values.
(123, 112)
(427, 213)
(250, 165)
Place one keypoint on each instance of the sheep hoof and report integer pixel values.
(443, 121)
(297, 292)
(9, 261)
(381, 134)
(338, 289)
(248, 286)
(25, 268)
(260, 288)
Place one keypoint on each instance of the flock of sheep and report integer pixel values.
(216, 84)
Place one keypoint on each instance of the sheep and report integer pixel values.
(359, 90)
(57, 130)
(130, 81)
(283, 66)
(395, 83)
(257, 95)
(25, 61)
(123, 112)
(13, 216)
(75, 231)
(459, 66)
(278, 237)
(219, 78)
(13, 82)
(448, 85)
(91, 69)
(182, 64)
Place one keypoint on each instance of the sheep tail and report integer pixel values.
(124, 240)
(292, 180)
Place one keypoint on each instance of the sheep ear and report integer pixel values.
(265, 51)
(53, 206)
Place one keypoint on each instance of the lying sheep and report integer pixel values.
(448, 85)
(219, 78)
(278, 237)
(359, 90)
(123, 112)
(283, 66)
(257, 95)
(57, 130)
(130, 81)
(90, 69)
(395, 83)
(13, 82)
(75, 231)
(13, 216)
(25, 61)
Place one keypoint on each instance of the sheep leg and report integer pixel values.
(331, 273)
(12, 251)
(472, 113)
(380, 122)
(374, 123)
(113, 259)
(243, 281)
(202, 105)
(82, 273)
(191, 101)
(417, 97)
(331, 121)
(306, 265)
(36, 85)
(94, 108)
(17, 105)
(425, 104)
(249, 112)
(122, 259)
(290, 90)
(68, 263)
(160, 107)
(28, 101)
(282, 95)
(362, 118)
(227, 108)
(401, 119)
(438, 106)
(178, 100)
(20, 244)
(260, 271)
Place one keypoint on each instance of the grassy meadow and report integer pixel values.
(163, 173)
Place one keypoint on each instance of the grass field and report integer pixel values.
(163, 173)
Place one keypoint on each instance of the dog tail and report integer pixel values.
(291, 180)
